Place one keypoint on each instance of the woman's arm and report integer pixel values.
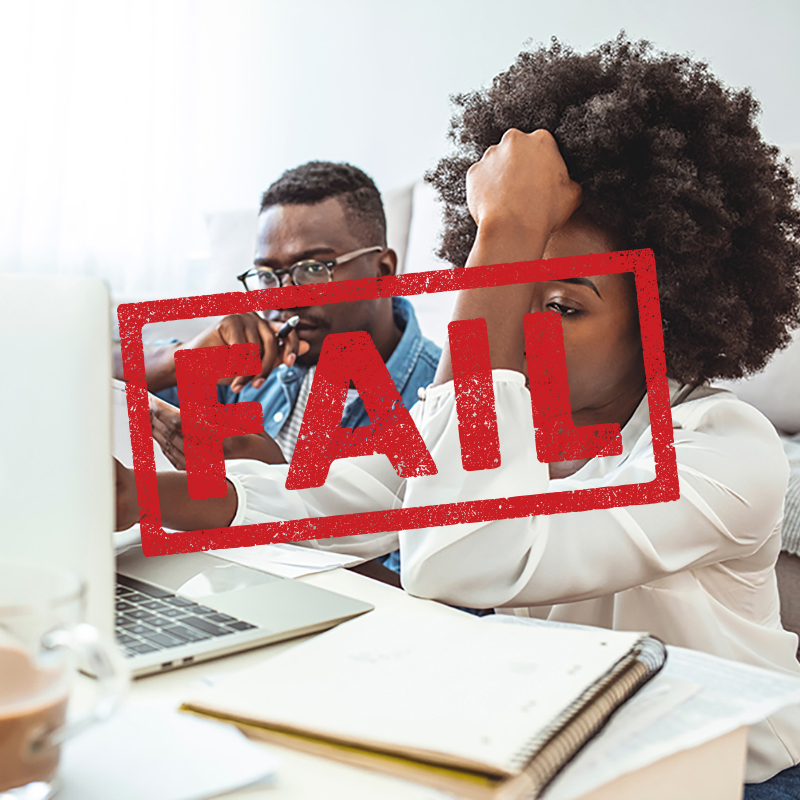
(519, 193)
(257, 494)
(178, 510)
(732, 474)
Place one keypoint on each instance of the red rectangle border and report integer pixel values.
(133, 317)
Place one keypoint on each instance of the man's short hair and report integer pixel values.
(316, 181)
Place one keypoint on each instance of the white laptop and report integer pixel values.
(57, 496)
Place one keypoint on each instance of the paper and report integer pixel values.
(707, 697)
(287, 560)
(122, 431)
(161, 755)
(131, 537)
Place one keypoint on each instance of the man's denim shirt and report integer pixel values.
(412, 365)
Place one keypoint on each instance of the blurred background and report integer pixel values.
(130, 131)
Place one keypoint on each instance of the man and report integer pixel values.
(318, 222)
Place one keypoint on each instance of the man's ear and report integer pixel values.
(387, 263)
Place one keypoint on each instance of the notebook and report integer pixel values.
(479, 710)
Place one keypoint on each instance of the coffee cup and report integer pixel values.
(43, 642)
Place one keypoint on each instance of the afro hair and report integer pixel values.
(668, 159)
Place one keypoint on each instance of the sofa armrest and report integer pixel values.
(788, 571)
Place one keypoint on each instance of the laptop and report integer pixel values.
(57, 497)
(172, 611)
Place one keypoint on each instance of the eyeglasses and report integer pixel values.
(311, 270)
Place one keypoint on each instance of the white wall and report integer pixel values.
(124, 122)
(373, 80)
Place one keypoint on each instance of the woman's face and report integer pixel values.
(601, 330)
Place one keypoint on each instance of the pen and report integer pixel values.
(288, 327)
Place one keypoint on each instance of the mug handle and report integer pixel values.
(104, 663)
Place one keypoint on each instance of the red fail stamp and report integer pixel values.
(352, 357)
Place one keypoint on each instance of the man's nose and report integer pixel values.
(286, 279)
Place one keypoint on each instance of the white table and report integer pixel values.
(713, 771)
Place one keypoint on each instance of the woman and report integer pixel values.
(622, 148)
(669, 159)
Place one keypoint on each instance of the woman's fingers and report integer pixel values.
(523, 178)
(167, 431)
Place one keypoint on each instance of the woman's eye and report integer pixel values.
(564, 311)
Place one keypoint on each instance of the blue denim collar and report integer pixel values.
(402, 361)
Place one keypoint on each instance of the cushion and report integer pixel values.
(435, 310)
(398, 204)
(775, 391)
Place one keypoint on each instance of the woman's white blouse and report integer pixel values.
(697, 572)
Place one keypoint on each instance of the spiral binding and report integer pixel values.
(544, 756)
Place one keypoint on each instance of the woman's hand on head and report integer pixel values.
(522, 182)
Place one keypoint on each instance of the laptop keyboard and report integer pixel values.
(149, 619)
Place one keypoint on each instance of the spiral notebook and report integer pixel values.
(483, 711)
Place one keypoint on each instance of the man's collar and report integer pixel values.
(402, 361)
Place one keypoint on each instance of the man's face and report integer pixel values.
(291, 233)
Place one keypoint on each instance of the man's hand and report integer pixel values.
(522, 182)
(166, 422)
(127, 506)
(244, 328)
(159, 360)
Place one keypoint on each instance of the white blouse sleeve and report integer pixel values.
(367, 483)
(732, 476)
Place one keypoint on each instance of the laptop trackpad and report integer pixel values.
(191, 574)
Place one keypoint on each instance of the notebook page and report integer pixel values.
(413, 684)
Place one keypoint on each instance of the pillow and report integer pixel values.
(231, 242)
(435, 310)
(397, 205)
(775, 391)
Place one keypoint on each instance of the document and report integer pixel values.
(694, 699)
(287, 560)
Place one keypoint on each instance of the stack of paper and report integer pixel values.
(161, 755)
(696, 698)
